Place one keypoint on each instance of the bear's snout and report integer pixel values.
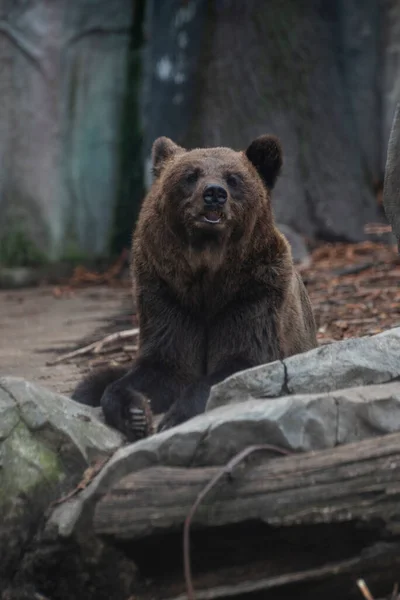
(214, 195)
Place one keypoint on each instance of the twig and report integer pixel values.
(364, 589)
(96, 347)
(88, 475)
(225, 470)
(130, 348)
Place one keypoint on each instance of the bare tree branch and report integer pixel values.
(97, 347)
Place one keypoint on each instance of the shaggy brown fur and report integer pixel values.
(216, 288)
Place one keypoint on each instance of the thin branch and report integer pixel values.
(225, 470)
(88, 476)
(97, 347)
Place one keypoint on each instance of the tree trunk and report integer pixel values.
(287, 67)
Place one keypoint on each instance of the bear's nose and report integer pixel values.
(215, 194)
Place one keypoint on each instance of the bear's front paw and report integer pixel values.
(128, 411)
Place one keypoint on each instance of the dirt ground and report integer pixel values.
(354, 289)
(37, 324)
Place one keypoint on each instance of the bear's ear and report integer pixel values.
(265, 152)
(163, 149)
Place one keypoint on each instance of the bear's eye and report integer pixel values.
(191, 177)
(232, 180)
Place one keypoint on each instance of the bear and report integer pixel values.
(215, 285)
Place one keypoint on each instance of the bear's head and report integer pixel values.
(213, 194)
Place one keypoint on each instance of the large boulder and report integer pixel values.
(332, 395)
(299, 423)
(349, 363)
(47, 441)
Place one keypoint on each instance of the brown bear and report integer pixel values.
(215, 285)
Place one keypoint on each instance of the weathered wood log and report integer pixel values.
(316, 520)
(354, 481)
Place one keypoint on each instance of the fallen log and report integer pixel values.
(319, 519)
(354, 481)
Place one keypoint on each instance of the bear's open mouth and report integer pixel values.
(212, 216)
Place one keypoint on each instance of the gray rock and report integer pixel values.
(46, 442)
(365, 412)
(264, 381)
(349, 363)
(298, 423)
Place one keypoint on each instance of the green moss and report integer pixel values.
(30, 463)
(18, 250)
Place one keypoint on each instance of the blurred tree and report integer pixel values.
(306, 70)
